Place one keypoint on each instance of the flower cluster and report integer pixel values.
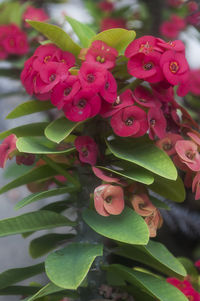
(35, 14)
(171, 28)
(156, 61)
(13, 41)
(186, 288)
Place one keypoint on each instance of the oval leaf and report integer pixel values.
(155, 255)
(38, 146)
(117, 38)
(68, 267)
(57, 36)
(31, 129)
(30, 107)
(128, 227)
(158, 288)
(60, 129)
(33, 221)
(145, 154)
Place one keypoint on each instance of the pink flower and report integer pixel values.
(176, 45)
(162, 93)
(35, 14)
(154, 222)
(186, 288)
(25, 159)
(195, 136)
(87, 148)
(175, 67)
(146, 67)
(188, 153)
(106, 6)
(129, 121)
(7, 147)
(145, 98)
(92, 77)
(108, 23)
(83, 106)
(64, 91)
(196, 186)
(194, 19)
(124, 100)
(169, 30)
(28, 75)
(157, 123)
(109, 199)
(102, 54)
(180, 22)
(146, 45)
(109, 90)
(142, 204)
(50, 75)
(105, 175)
(168, 143)
(192, 6)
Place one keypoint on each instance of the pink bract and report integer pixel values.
(101, 54)
(105, 175)
(109, 199)
(35, 14)
(144, 97)
(129, 121)
(157, 123)
(168, 143)
(109, 90)
(196, 186)
(142, 204)
(83, 106)
(7, 147)
(188, 153)
(87, 148)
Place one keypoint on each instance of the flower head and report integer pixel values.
(109, 199)
(142, 204)
(196, 186)
(154, 222)
(87, 148)
(35, 14)
(109, 89)
(188, 154)
(157, 123)
(7, 147)
(168, 143)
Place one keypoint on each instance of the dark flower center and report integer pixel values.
(152, 122)
(107, 85)
(117, 101)
(84, 152)
(143, 100)
(190, 154)
(174, 67)
(90, 78)
(52, 77)
(82, 103)
(109, 199)
(148, 66)
(67, 91)
(129, 121)
(167, 146)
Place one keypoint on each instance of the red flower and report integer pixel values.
(144, 97)
(109, 23)
(176, 45)
(35, 14)
(188, 153)
(87, 148)
(101, 54)
(168, 143)
(157, 123)
(7, 147)
(109, 199)
(192, 6)
(109, 90)
(83, 106)
(195, 136)
(196, 186)
(129, 121)
(92, 77)
(106, 6)
(64, 91)
(186, 288)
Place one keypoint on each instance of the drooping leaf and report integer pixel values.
(158, 203)
(57, 36)
(33, 221)
(19, 290)
(117, 38)
(155, 255)
(57, 206)
(172, 190)
(158, 288)
(83, 31)
(44, 244)
(128, 227)
(39, 146)
(31, 129)
(60, 129)
(13, 276)
(144, 153)
(68, 267)
(51, 288)
(132, 172)
(36, 174)
(30, 107)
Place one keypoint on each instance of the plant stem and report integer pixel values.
(62, 171)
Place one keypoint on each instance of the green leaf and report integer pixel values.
(60, 129)
(37, 145)
(44, 244)
(12, 13)
(119, 227)
(156, 287)
(30, 107)
(36, 174)
(31, 129)
(190, 268)
(68, 267)
(131, 171)
(49, 289)
(42, 195)
(159, 204)
(18, 290)
(172, 190)
(33, 221)
(83, 31)
(57, 206)
(13, 276)
(144, 153)
(117, 38)
(155, 255)
(57, 36)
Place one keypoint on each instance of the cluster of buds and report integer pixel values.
(13, 41)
